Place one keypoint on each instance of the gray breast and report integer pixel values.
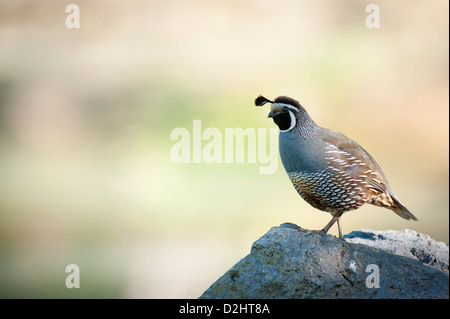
(300, 155)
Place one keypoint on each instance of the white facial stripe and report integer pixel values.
(293, 121)
(277, 107)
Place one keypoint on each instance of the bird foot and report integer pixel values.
(321, 232)
(313, 231)
(303, 230)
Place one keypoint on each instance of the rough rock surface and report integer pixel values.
(288, 263)
(408, 243)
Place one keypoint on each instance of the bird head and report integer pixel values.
(284, 111)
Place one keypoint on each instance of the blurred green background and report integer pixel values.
(86, 115)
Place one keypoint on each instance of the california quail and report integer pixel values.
(330, 171)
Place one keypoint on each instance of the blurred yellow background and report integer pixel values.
(86, 114)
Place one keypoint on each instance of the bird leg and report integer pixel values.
(339, 228)
(335, 218)
(325, 230)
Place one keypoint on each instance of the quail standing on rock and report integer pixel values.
(330, 171)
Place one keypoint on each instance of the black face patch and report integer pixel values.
(283, 120)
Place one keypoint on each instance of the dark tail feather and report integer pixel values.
(400, 209)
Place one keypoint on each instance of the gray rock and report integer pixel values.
(408, 243)
(289, 263)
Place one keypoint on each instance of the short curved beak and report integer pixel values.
(275, 108)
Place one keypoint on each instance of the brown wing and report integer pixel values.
(360, 174)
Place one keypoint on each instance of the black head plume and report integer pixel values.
(261, 100)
